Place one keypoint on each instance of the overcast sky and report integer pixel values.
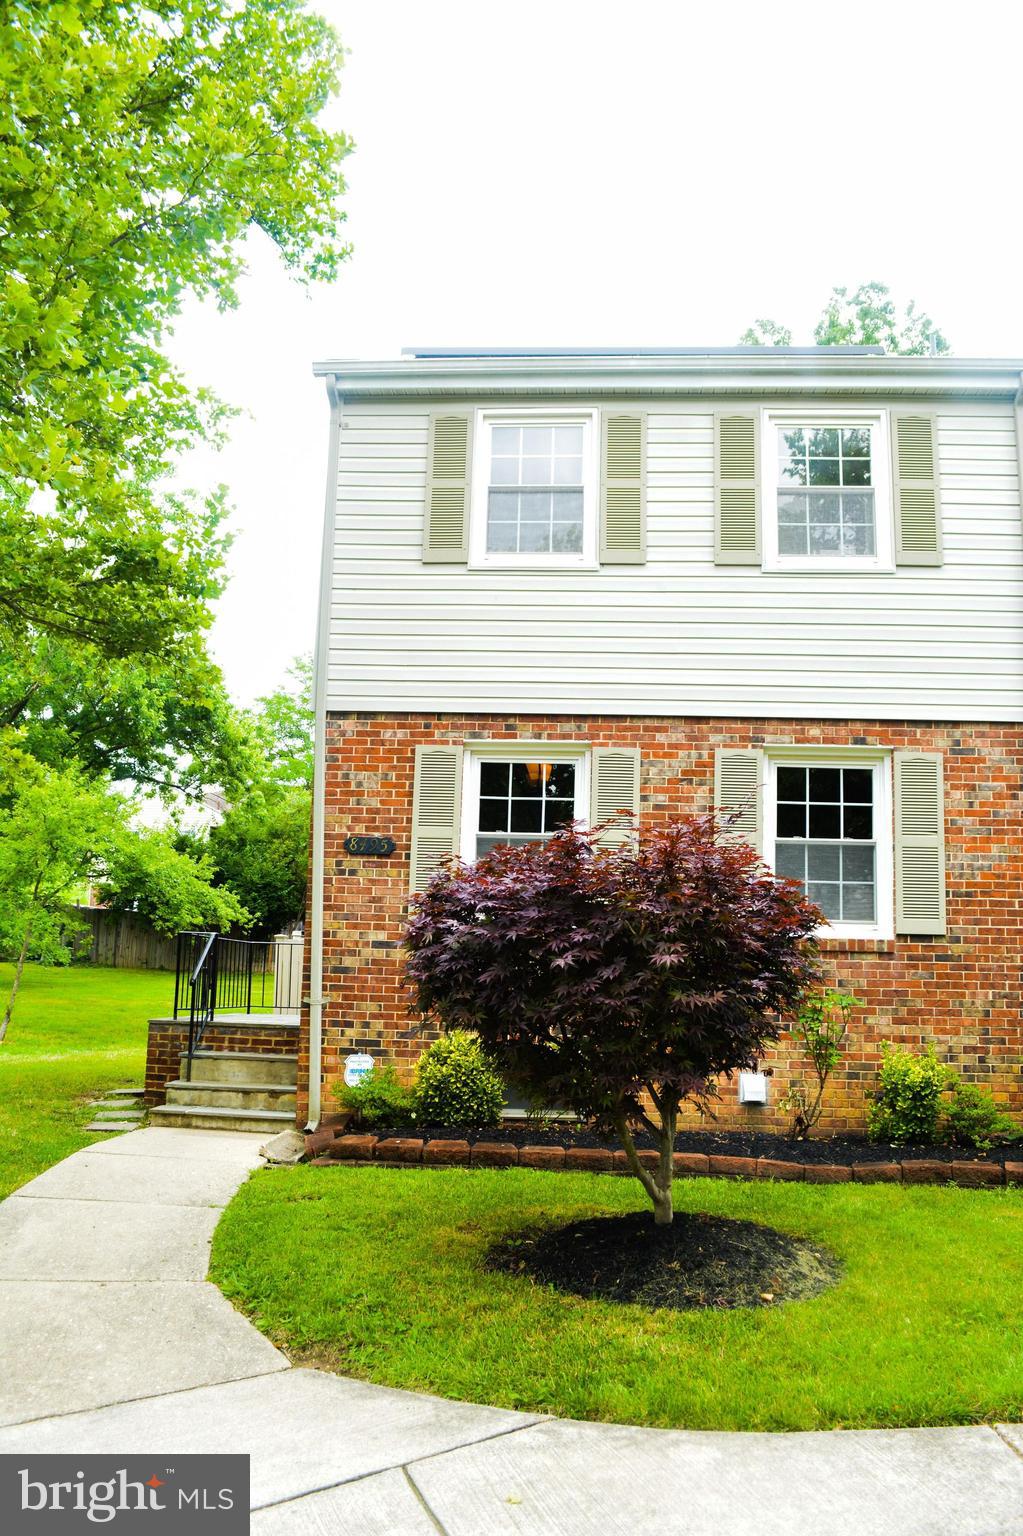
(580, 173)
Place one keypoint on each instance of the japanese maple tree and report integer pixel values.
(620, 982)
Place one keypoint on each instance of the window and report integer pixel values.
(827, 498)
(534, 491)
(827, 824)
(520, 798)
(834, 514)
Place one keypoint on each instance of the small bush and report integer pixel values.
(974, 1119)
(381, 1098)
(458, 1084)
(907, 1102)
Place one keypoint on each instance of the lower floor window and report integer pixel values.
(826, 828)
(523, 802)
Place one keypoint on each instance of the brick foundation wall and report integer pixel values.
(961, 990)
(168, 1040)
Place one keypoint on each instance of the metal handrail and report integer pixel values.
(225, 976)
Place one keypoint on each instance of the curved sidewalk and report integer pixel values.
(112, 1341)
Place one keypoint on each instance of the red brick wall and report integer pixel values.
(963, 990)
(168, 1040)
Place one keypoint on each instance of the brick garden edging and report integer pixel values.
(333, 1144)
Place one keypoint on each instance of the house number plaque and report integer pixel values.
(368, 847)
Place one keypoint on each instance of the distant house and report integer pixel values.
(783, 581)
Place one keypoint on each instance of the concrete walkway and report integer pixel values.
(112, 1341)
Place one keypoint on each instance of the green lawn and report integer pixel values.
(377, 1273)
(76, 1032)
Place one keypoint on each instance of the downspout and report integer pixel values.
(320, 664)
(1018, 404)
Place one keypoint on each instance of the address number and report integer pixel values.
(370, 847)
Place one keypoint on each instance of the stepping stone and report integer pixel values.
(112, 1125)
(125, 1093)
(118, 1107)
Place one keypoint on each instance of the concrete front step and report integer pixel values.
(237, 1067)
(214, 1095)
(206, 1118)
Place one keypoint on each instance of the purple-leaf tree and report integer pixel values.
(619, 982)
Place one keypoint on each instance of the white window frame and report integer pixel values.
(477, 752)
(775, 419)
(534, 415)
(880, 760)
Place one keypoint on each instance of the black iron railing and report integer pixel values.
(217, 975)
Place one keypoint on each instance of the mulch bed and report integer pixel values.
(697, 1261)
(845, 1150)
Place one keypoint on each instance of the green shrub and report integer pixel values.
(458, 1084)
(975, 1120)
(381, 1098)
(907, 1102)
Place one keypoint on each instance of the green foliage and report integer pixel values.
(165, 723)
(381, 1098)
(59, 829)
(907, 1103)
(822, 1023)
(138, 145)
(766, 333)
(282, 727)
(458, 1084)
(261, 848)
(261, 852)
(145, 873)
(973, 1119)
(866, 317)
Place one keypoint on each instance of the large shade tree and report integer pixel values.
(620, 982)
(138, 145)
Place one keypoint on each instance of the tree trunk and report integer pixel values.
(17, 983)
(657, 1183)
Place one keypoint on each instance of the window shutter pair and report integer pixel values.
(737, 477)
(622, 487)
(919, 827)
(437, 797)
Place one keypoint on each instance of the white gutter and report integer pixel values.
(729, 376)
(320, 663)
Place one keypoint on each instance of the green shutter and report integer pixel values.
(436, 803)
(738, 787)
(915, 489)
(736, 489)
(614, 793)
(623, 488)
(448, 480)
(919, 843)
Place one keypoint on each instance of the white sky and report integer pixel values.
(572, 172)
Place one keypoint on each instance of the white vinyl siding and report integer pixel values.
(678, 635)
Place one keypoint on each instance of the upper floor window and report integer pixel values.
(827, 501)
(534, 491)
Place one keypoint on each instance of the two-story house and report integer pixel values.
(787, 581)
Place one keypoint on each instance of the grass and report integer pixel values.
(377, 1273)
(76, 1032)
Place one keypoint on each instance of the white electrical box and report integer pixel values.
(752, 1088)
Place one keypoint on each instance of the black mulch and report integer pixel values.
(818, 1149)
(697, 1261)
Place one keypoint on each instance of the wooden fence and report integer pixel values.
(120, 939)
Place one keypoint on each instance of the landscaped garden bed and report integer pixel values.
(389, 1276)
(749, 1154)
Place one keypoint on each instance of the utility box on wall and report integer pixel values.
(752, 1088)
